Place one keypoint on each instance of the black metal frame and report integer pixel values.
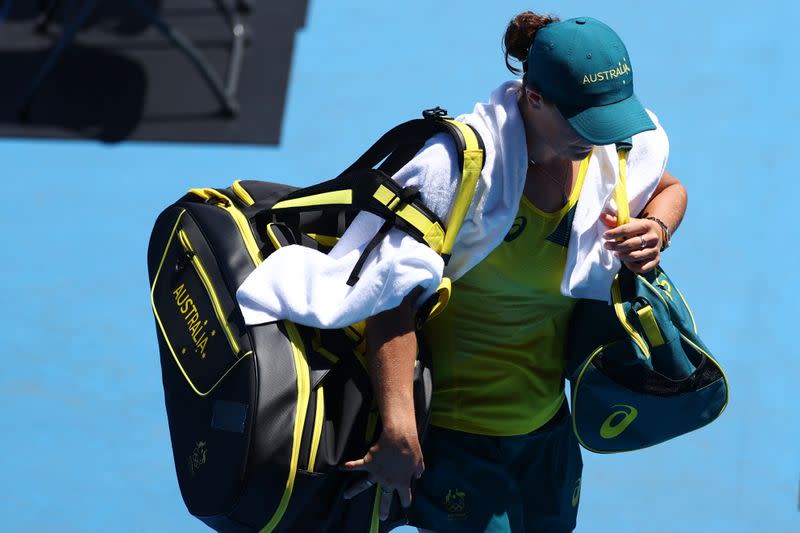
(224, 92)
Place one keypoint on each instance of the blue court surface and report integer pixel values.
(85, 445)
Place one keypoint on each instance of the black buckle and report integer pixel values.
(407, 195)
(436, 112)
(639, 303)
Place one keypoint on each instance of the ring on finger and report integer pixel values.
(643, 245)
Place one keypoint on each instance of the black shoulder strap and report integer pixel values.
(401, 139)
(362, 187)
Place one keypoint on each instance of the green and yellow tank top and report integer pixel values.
(498, 347)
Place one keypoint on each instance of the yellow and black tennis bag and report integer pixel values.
(261, 417)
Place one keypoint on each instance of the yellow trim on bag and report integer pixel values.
(473, 163)
(356, 331)
(325, 240)
(466, 191)
(386, 197)
(316, 345)
(470, 141)
(574, 404)
(212, 293)
(575, 407)
(272, 238)
(620, 191)
(686, 305)
(375, 520)
(722, 371)
(432, 232)
(343, 197)
(209, 193)
(319, 418)
(444, 290)
(619, 309)
(164, 331)
(242, 193)
(303, 393)
(650, 326)
(239, 219)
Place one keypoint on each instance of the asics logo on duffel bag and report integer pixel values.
(614, 425)
(664, 285)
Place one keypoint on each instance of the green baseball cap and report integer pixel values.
(583, 67)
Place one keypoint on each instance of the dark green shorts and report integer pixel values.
(483, 484)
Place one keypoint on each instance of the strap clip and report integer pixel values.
(436, 112)
(407, 195)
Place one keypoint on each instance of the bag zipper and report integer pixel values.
(214, 197)
(298, 354)
(212, 293)
(303, 394)
(708, 356)
(301, 365)
(319, 417)
(242, 193)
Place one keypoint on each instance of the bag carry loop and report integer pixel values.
(620, 190)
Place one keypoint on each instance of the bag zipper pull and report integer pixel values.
(183, 261)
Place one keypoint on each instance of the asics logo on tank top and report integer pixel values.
(517, 229)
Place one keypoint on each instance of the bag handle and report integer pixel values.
(472, 160)
(624, 281)
(620, 190)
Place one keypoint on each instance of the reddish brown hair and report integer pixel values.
(519, 37)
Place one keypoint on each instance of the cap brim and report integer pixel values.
(611, 123)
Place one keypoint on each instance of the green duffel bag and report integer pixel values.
(639, 373)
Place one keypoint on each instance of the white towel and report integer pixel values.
(308, 287)
(590, 268)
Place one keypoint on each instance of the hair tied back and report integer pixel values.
(519, 36)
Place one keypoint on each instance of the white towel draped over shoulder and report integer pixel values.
(309, 287)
